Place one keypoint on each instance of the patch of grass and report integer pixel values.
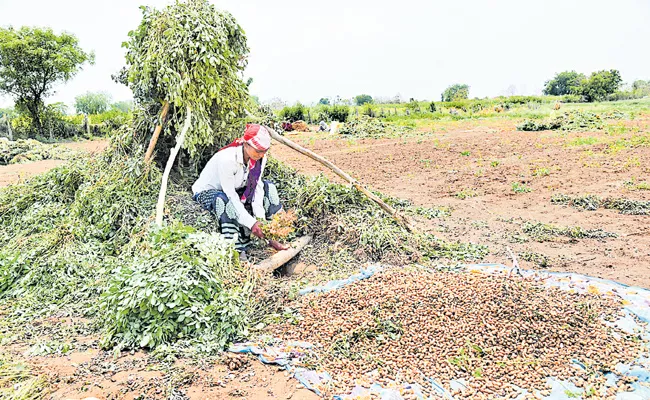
(539, 172)
(465, 153)
(632, 184)
(426, 163)
(495, 164)
(584, 141)
(628, 143)
(466, 194)
(429, 212)
(18, 382)
(547, 232)
(519, 187)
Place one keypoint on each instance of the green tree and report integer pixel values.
(32, 61)
(362, 99)
(92, 103)
(600, 84)
(641, 88)
(324, 101)
(456, 92)
(567, 82)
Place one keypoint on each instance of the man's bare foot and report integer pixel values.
(277, 245)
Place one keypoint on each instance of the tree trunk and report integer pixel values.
(36, 119)
(401, 219)
(160, 207)
(156, 133)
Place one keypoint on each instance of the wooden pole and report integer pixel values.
(401, 219)
(156, 132)
(160, 207)
(282, 257)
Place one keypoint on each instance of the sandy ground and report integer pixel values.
(429, 170)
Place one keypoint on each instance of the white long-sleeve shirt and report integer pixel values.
(227, 172)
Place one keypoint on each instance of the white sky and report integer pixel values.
(304, 50)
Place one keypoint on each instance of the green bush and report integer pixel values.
(185, 285)
(338, 113)
(293, 113)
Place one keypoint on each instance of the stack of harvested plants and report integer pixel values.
(364, 126)
(280, 226)
(404, 326)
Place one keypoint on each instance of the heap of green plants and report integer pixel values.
(592, 203)
(26, 150)
(542, 232)
(568, 121)
(364, 126)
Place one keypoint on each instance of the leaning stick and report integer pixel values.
(156, 133)
(401, 219)
(160, 206)
(282, 257)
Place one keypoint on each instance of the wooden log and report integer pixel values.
(282, 257)
(401, 219)
(156, 133)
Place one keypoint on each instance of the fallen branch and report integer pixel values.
(401, 219)
(160, 207)
(156, 132)
(282, 257)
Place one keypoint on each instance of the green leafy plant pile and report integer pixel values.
(368, 127)
(182, 284)
(592, 203)
(191, 55)
(26, 150)
(568, 121)
(546, 232)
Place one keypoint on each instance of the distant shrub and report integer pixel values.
(573, 98)
(338, 113)
(293, 113)
(369, 110)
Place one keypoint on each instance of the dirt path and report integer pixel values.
(15, 173)
(484, 162)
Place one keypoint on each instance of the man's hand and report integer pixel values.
(278, 246)
(257, 230)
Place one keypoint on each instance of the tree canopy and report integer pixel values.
(32, 61)
(363, 99)
(601, 84)
(92, 103)
(324, 101)
(567, 82)
(456, 92)
(190, 55)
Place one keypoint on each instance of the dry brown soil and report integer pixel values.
(430, 170)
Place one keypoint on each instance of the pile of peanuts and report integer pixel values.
(498, 334)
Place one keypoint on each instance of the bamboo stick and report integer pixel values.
(401, 219)
(168, 168)
(156, 133)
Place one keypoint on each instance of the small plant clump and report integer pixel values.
(280, 226)
(519, 187)
(546, 232)
(632, 184)
(466, 194)
(538, 259)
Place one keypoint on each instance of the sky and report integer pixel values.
(304, 50)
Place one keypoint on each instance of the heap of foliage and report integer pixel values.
(593, 202)
(569, 121)
(546, 232)
(294, 113)
(180, 284)
(19, 151)
(32, 61)
(198, 67)
(337, 112)
(365, 126)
